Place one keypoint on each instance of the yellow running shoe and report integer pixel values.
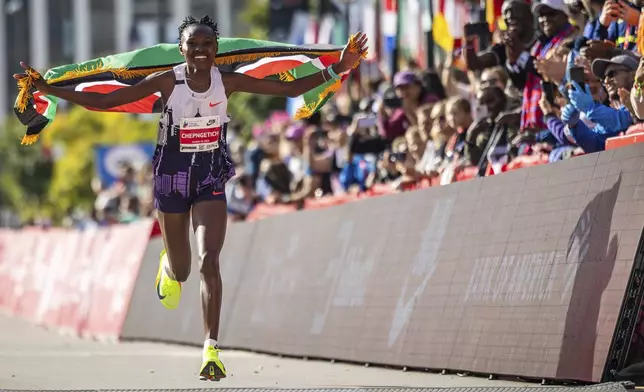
(212, 369)
(168, 290)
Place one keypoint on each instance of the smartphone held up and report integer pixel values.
(548, 89)
(578, 74)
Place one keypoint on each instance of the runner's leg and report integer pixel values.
(209, 220)
(209, 223)
(174, 263)
(175, 229)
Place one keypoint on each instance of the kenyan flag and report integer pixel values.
(259, 59)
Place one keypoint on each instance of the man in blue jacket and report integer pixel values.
(616, 73)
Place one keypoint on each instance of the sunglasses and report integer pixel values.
(547, 13)
(612, 73)
(489, 81)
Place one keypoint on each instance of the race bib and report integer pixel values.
(199, 134)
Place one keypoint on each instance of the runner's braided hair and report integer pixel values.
(205, 21)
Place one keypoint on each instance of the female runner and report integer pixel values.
(192, 163)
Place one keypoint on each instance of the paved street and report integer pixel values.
(31, 357)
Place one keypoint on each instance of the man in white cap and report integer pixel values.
(553, 23)
(553, 16)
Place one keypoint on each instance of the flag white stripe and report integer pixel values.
(83, 86)
(300, 58)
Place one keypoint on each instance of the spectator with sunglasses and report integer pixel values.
(618, 74)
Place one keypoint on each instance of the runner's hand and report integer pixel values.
(39, 83)
(348, 58)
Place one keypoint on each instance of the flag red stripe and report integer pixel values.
(41, 104)
(144, 105)
(272, 68)
(327, 60)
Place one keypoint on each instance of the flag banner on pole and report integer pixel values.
(256, 58)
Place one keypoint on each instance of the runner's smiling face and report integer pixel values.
(199, 47)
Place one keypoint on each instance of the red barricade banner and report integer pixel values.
(527, 161)
(262, 211)
(71, 280)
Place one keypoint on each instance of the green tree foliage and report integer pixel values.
(25, 172)
(248, 109)
(75, 134)
(256, 16)
(49, 178)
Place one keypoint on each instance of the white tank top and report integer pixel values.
(194, 122)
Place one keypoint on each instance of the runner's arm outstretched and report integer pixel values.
(234, 82)
(157, 82)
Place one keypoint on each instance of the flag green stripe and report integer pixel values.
(313, 95)
(168, 54)
(50, 113)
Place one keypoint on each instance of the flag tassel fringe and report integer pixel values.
(238, 58)
(24, 93)
(28, 140)
(286, 77)
(24, 89)
(307, 111)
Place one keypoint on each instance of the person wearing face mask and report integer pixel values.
(498, 76)
(394, 121)
(494, 101)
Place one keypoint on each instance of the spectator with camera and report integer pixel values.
(618, 75)
(518, 37)
(621, 18)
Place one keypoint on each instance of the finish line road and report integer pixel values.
(34, 358)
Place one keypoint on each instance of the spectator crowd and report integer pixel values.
(558, 79)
